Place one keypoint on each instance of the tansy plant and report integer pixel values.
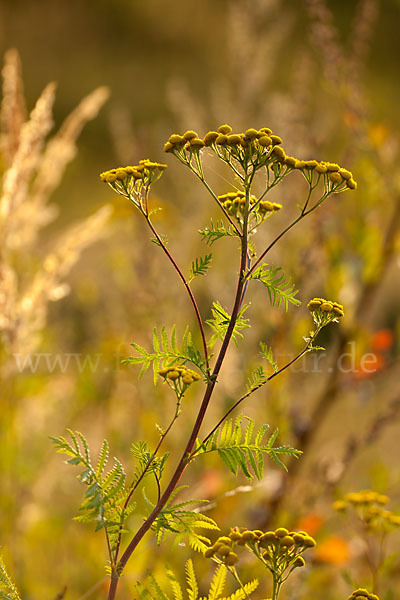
(374, 522)
(258, 164)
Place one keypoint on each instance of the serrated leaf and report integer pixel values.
(266, 351)
(193, 588)
(279, 290)
(220, 323)
(166, 353)
(239, 449)
(200, 266)
(217, 583)
(210, 234)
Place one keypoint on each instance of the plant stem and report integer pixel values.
(151, 459)
(236, 576)
(201, 414)
(189, 291)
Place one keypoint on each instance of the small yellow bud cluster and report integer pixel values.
(366, 497)
(235, 203)
(260, 148)
(179, 375)
(325, 311)
(189, 140)
(362, 594)
(288, 544)
(325, 306)
(335, 177)
(129, 181)
(241, 146)
(368, 505)
(279, 550)
(222, 552)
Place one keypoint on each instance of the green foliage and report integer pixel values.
(266, 351)
(166, 353)
(220, 323)
(217, 586)
(181, 520)
(214, 232)
(106, 493)
(140, 451)
(200, 266)
(279, 290)
(240, 451)
(8, 591)
(256, 378)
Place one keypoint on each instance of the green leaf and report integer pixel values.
(179, 519)
(240, 450)
(8, 591)
(166, 353)
(256, 379)
(243, 594)
(193, 588)
(176, 588)
(142, 454)
(220, 323)
(214, 232)
(279, 290)
(200, 266)
(266, 351)
(217, 583)
(106, 493)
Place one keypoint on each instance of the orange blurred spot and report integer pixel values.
(310, 523)
(334, 551)
(378, 134)
(383, 339)
(370, 364)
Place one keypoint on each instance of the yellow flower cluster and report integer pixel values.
(263, 148)
(362, 594)
(223, 137)
(123, 179)
(368, 505)
(288, 545)
(179, 374)
(235, 202)
(325, 306)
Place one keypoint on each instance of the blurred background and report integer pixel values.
(80, 280)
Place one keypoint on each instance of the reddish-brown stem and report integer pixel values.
(189, 291)
(140, 478)
(196, 428)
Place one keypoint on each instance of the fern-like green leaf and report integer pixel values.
(8, 591)
(106, 492)
(200, 266)
(175, 585)
(243, 594)
(266, 351)
(166, 353)
(279, 290)
(217, 583)
(240, 450)
(184, 522)
(220, 323)
(193, 588)
(214, 232)
(215, 592)
(256, 379)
